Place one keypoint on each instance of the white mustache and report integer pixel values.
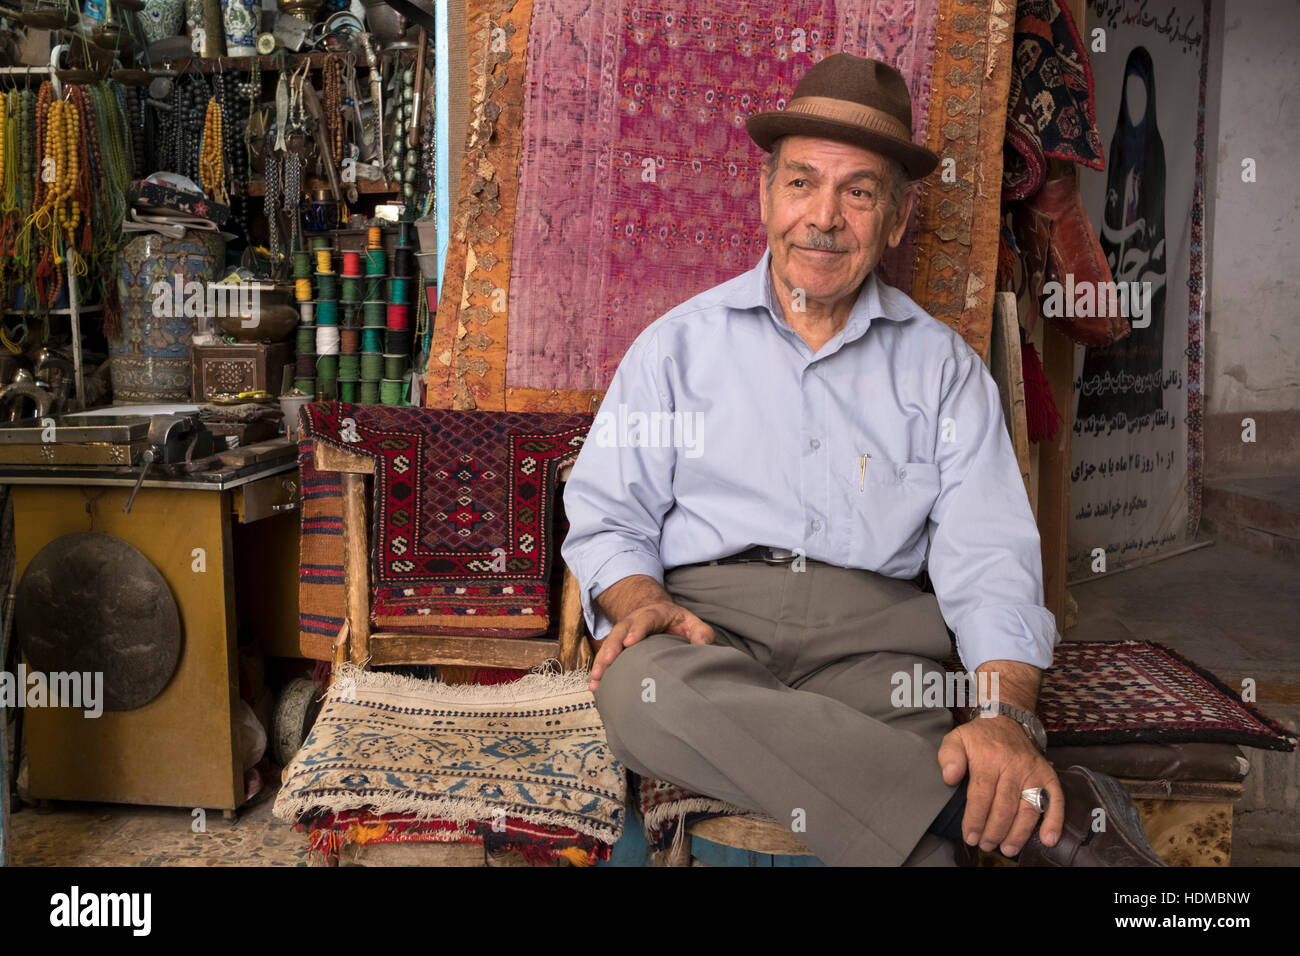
(822, 243)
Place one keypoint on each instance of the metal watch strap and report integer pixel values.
(1028, 720)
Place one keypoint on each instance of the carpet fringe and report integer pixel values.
(544, 681)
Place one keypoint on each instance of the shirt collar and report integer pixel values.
(755, 292)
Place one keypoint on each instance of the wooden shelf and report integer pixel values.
(257, 187)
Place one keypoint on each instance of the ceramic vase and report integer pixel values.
(161, 19)
(151, 359)
(241, 18)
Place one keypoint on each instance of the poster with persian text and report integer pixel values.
(1136, 446)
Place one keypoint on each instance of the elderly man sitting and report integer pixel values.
(753, 585)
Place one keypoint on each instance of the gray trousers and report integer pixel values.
(789, 712)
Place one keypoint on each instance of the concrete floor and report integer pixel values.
(1231, 610)
(1236, 613)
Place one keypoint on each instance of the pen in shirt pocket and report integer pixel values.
(862, 471)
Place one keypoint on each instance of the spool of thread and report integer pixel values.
(349, 341)
(327, 312)
(305, 385)
(403, 233)
(375, 289)
(399, 316)
(308, 310)
(372, 366)
(302, 264)
(351, 289)
(395, 365)
(347, 390)
(375, 262)
(403, 262)
(376, 237)
(375, 312)
(397, 342)
(349, 367)
(371, 341)
(399, 290)
(321, 242)
(304, 366)
(327, 389)
(369, 393)
(327, 341)
(390, 391)
(352, 263)
(327, 366)
(324, 260)
(302, 289)
(326, 286)
(351, 315)
(306, 339)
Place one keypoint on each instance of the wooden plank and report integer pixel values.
(329, 458)
(259, 452)
(570, 625)
(753, 834)
(520, 652)
(1054, 473)
(1008, 371)
(356, 566)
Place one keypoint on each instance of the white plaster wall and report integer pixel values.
(1253, 344)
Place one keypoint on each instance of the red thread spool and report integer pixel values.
(399, 315)
(352, 263)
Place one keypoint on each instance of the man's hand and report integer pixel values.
(1003, 761)
(640, 607)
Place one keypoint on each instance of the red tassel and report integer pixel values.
(1041, 413)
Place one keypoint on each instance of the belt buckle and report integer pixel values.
(777, 555)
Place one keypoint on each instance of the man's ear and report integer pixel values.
(762, 193)
(901, 215)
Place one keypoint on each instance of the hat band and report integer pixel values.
(851, 114)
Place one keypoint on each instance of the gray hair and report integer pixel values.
(898, 181)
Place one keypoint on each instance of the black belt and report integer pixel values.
(758, 553)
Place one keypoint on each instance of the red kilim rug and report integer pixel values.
(464, 508)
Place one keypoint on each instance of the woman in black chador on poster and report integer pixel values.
(1133, 238)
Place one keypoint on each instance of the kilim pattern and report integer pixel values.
(464, 511)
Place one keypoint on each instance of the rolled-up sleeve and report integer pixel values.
(984, 555)
(620, 489)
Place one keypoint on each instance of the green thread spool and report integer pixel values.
(306, 338)
(327, 389)
(347, 390)
(372, 341)
(369, 393)
(349, 367)
(302, 264)
(375, 263)
(390, 391)
(326, 285)
(372, 366)
(351, 289)
(394, 366)
(399, 291)
(321, 242)
(327, 366)
(376, 312)
(305, 385)
(327, 313)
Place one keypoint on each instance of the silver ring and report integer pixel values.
(1036, 797)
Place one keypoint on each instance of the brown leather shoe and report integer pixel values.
(1122, 843)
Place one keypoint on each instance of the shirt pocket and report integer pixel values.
(890, 502)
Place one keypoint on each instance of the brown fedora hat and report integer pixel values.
(853, 100)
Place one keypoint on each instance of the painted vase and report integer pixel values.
(161, 19)
(241, 18)
(157, 282)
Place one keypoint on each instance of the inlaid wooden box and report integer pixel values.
(239, 368)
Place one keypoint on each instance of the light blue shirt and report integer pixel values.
(722, 430)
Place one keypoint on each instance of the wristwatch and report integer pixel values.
(1028, 721)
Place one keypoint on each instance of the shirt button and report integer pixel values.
(814, 444)
(816, 525)
(902, 473)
